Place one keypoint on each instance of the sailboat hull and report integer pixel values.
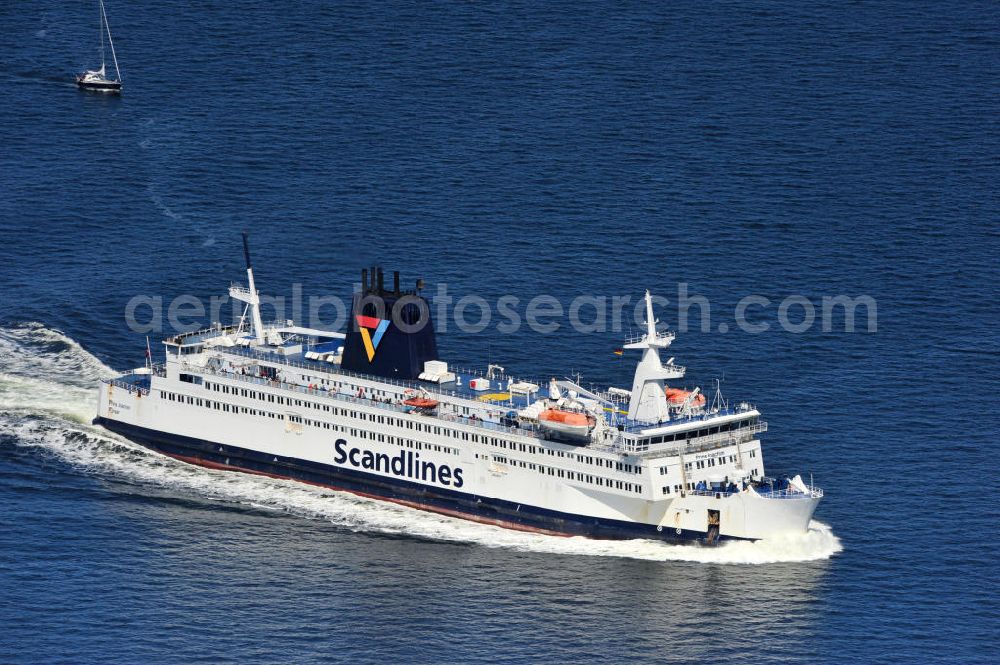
(100, 86)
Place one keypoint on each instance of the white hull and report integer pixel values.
(537, 477)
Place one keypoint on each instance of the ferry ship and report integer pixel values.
(375, 411)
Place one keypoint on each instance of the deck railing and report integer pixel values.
(767, 493)
(130, 382)
(317, 366)
(130, 387)
(660, 336)
(615, 443)
(618, 443)
(716, 493)
(764, 492)
(366, 401)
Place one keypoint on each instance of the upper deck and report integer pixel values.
(704, 430)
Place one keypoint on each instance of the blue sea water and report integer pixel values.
(817, 149)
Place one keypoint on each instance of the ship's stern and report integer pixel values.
(125, 398)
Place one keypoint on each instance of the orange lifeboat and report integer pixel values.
(421, 403)
(677, 396)
(567, 425)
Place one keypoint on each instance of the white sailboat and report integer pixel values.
(97, 79)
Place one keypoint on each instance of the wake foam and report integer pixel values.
(47, 397)
(46, 373)
(31, 349)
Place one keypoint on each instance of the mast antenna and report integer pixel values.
(249, 295)
(100, 20)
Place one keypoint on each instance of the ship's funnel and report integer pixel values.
(391, 333)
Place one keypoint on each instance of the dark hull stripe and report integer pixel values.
(103, 87)
(453, 503)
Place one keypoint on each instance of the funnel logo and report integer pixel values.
(367, 324)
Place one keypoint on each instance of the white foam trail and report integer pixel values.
(31, 349)
(51, 411)
(44, 372)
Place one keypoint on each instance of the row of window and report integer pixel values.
(698, 433)
(298, 420)
(399, 441)
(706, 463)
(341, 411)
(571, 475)
(712, 461)
(428, 428)
(392, 440)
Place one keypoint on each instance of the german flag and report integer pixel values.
(619, 352)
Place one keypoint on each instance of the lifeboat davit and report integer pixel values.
(570, 426)
(677, 396)
(425, 403)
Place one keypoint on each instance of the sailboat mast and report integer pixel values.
(100, 20)
(118, 74)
